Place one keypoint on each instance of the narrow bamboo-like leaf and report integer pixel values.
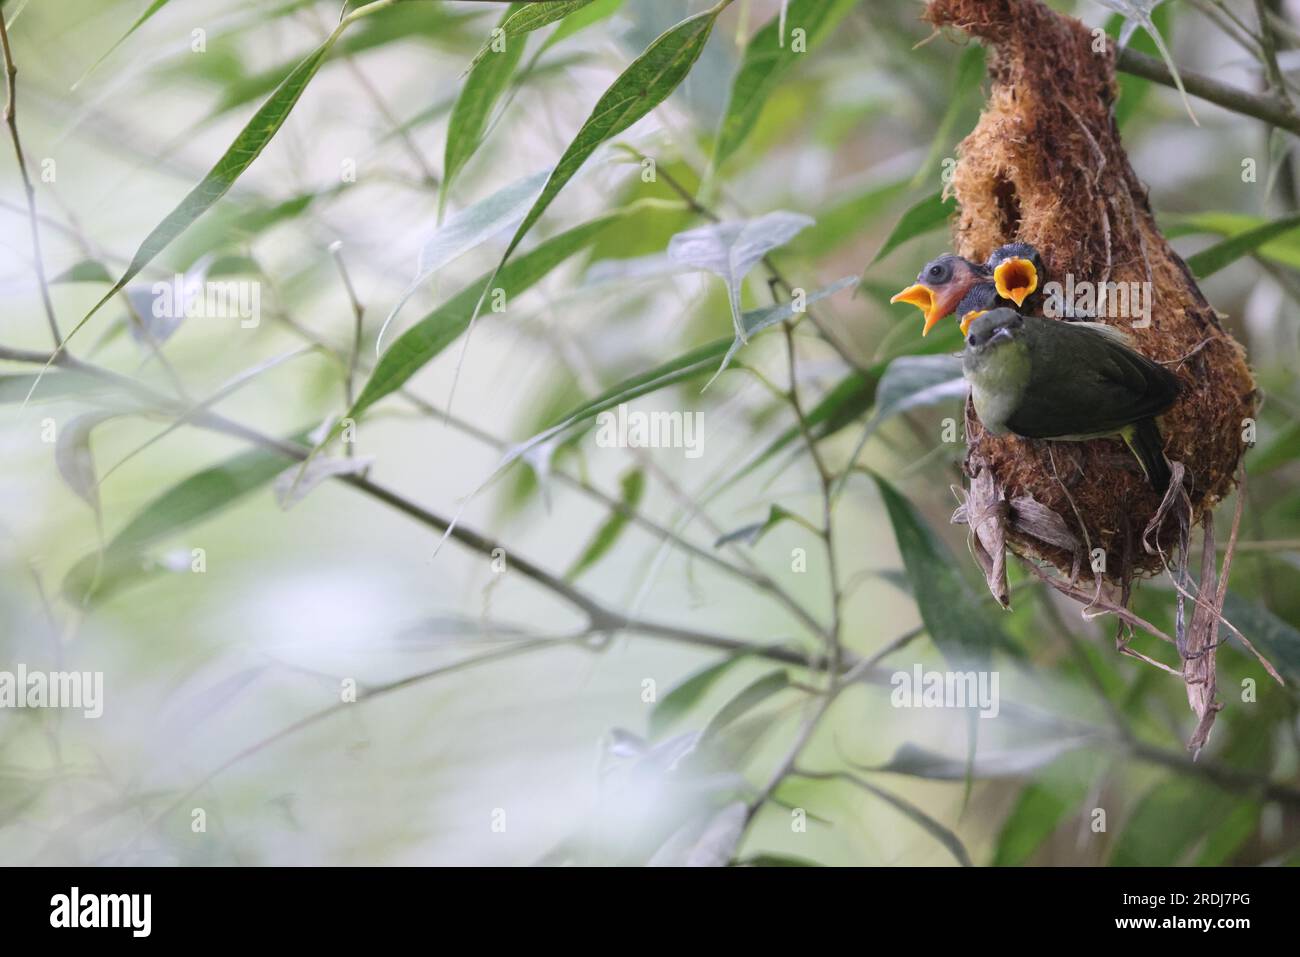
(1284, 249)
(428, 337)
(1036, 815)
(1274, 638)
(74, 459)
(911, 382)
(928, 824)
(488, 78)
(194, 499)
(58, 385)
(775, 860)
(970, 68)
(632, 487)
(646, 83)
(88, 270)
(467, 229)
(844, 220)
(848, 399)
(955, 618)
(752, 534)
(582, 18)
(677, 702)
(1281, 449)
(707, 841)
(247, 146)
(919, 762)
(1209, 261)
(530, 17)
(924, 217)
(769, 56)
(750, 697)
(1170, 820)
(153, 8)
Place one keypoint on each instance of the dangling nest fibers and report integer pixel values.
(1045, 166)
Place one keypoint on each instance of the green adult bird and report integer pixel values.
(1068, 381)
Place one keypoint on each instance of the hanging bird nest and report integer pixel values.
(1045, 166)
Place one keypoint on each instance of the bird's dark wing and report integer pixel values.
(1085, 382)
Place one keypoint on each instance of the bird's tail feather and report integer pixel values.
(1144, 439)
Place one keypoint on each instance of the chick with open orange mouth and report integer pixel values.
(941, 285)
(951, 284)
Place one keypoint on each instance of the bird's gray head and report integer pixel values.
(993, 328)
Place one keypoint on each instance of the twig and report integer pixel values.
(11, 119)
(1267, 108)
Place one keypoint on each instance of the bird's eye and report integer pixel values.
(938, 272)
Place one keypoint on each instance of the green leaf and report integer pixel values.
(677, 702)
(844, 403)
(15, 387)
(632, 486)
(923, 217)
(932, 827)
(1036, 815)
(912, 382)
(1275, 639)
(958, 621)
(88, 270)
(1209, 261)
(775, 860)
(707, 840)
(580, 19)
(751, 534)
(919, 762)
(248, 145)
(488, 78)
(750, 697)
(1169, 820)
(196, 498)
(768, 58)
(153, 8)
(74, 459)
(1281, 449)
(428, 337)
(646, 83)
(1229, 834)
(532, 16)
(965, 86)
(845, 220)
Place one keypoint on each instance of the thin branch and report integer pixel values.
(1267, 108)
(11, 119)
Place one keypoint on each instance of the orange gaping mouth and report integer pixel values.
(970, 317)
(924, 299)
(1015, 279)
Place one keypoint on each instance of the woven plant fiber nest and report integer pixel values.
(1045, 165)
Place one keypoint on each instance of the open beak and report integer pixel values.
(970, 317)
(923, 298)
(1015, 279)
